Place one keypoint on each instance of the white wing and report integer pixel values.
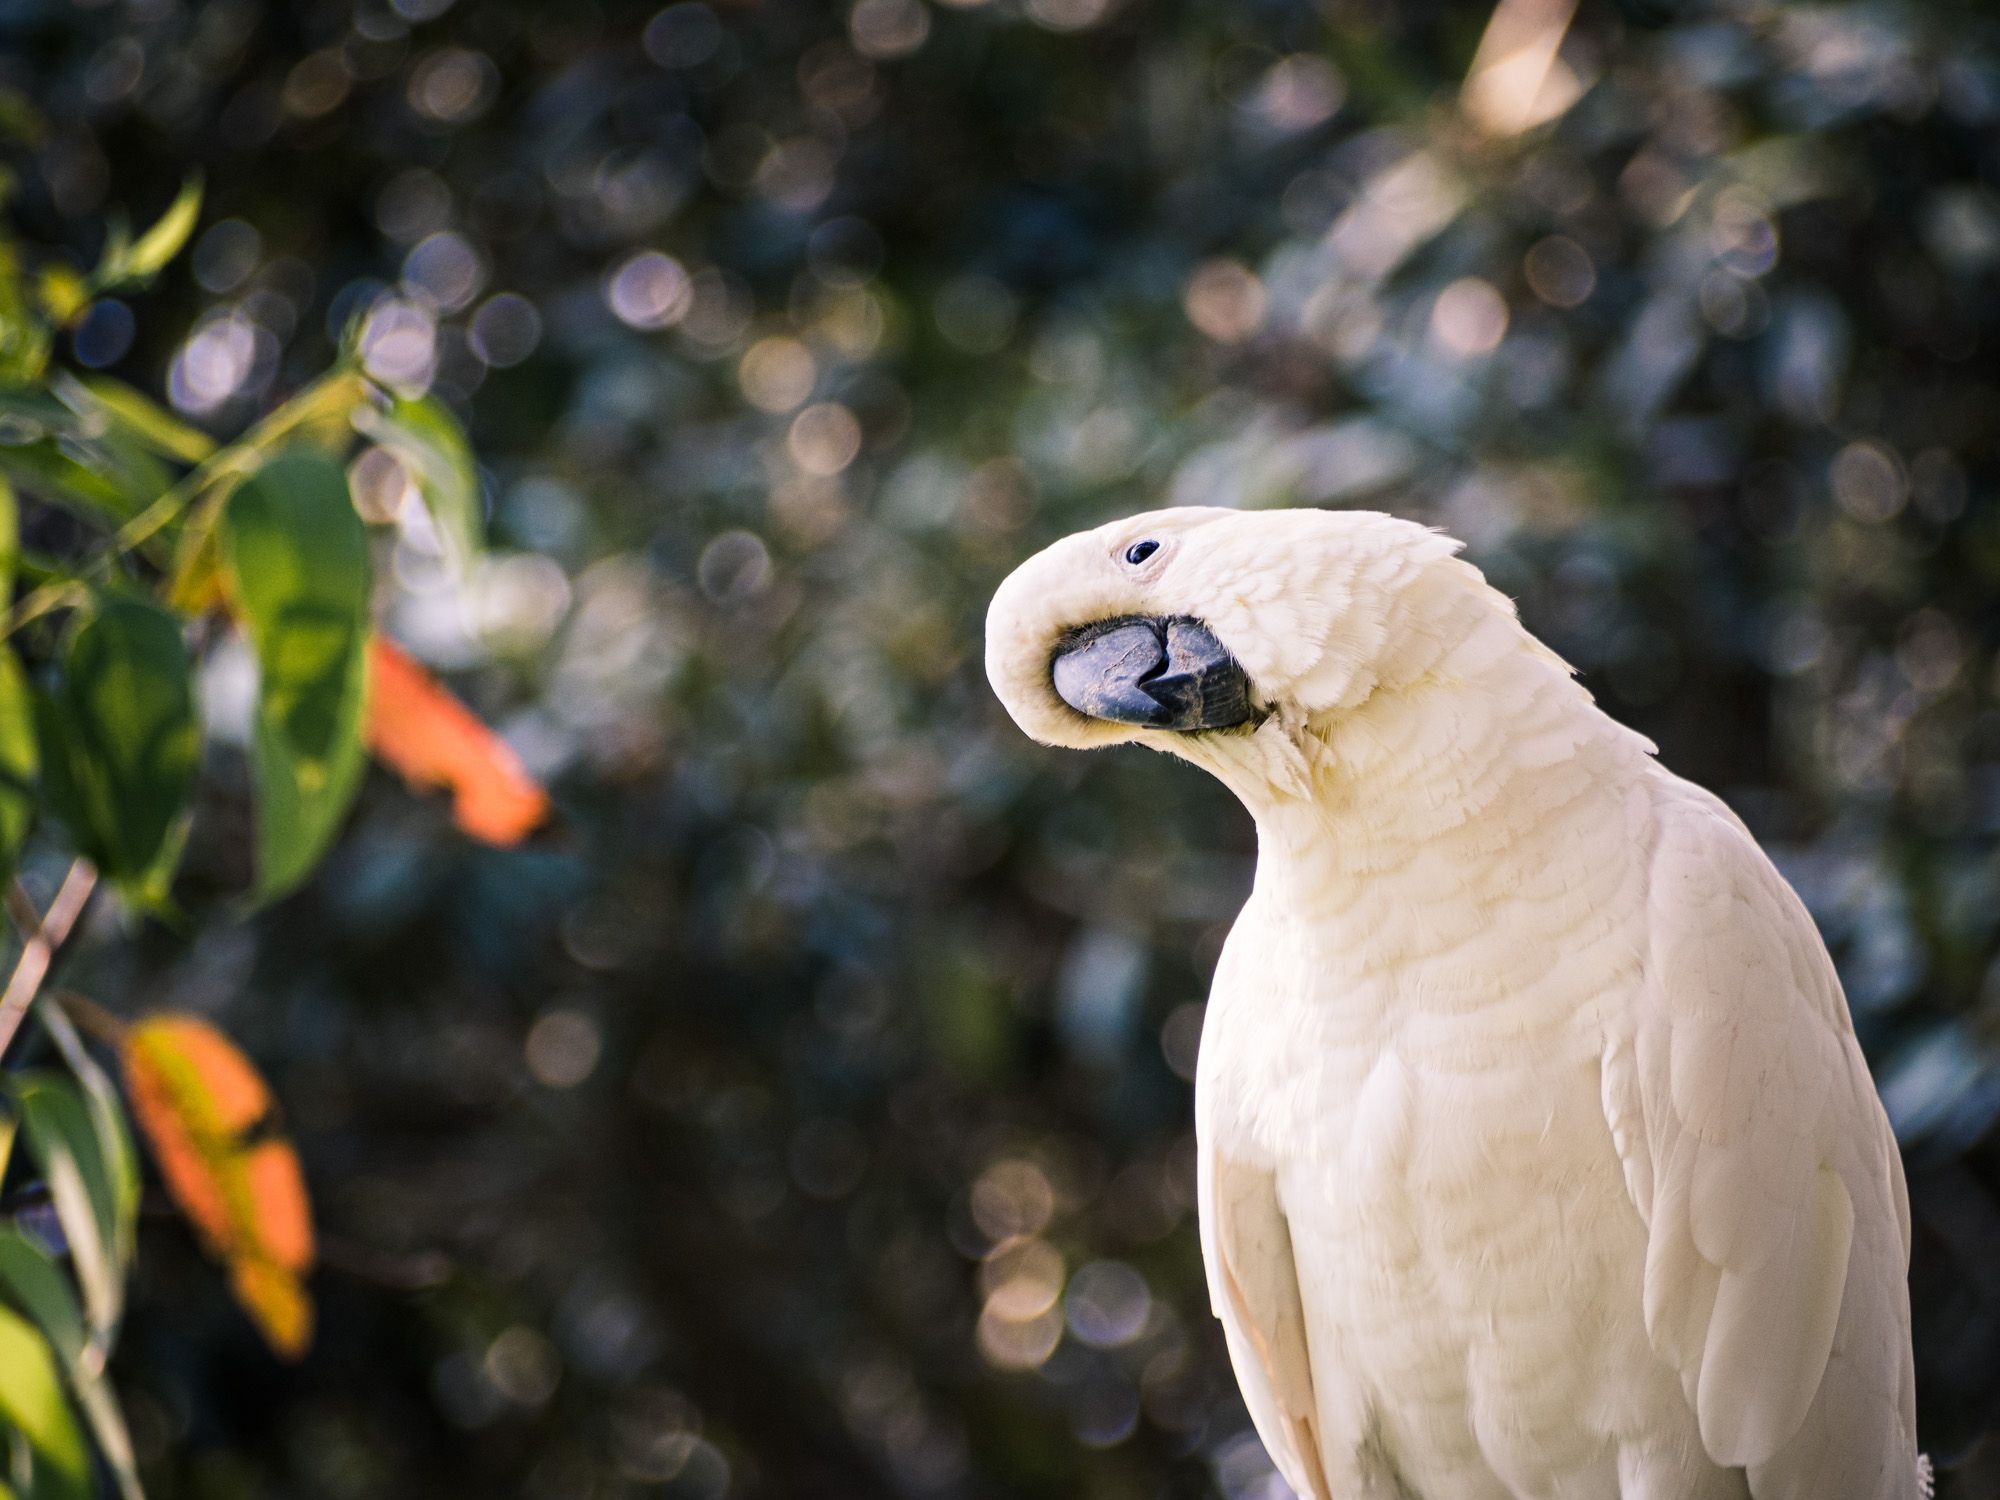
(1254, 1286)
(1755, 1148)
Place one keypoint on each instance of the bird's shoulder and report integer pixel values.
(1715, 903)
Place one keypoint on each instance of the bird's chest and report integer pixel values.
(1456, 1207)
(1405, 1157)
(1399, 1078)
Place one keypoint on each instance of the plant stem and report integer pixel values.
(40, 937)
(50, 596)
(342, 389)
(90, 1016)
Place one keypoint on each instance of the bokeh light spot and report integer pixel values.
(1107, 1304)
(1225, 300)
(505, 330)
(381, 485)
(649, 290)
(1012, 1198)
(1069, 15)
(734, 567)
(516, 602)
(413, 203)
(888, 28)
(523, 1366)
(777, 374)
(103, 334)
(445, 268)
(216, 364)
(1297, 93)
(824, 439)
(1022, 1279)
(317, 84)
(1560, 271)
(682, 36)
(1018, 1345)
(1869, 481)
(454, 85)
(399, 344)
(1469, 317)
(225, 255)
(563, 1048)
(797, 175)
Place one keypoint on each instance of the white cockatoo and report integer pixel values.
(1537, 1156)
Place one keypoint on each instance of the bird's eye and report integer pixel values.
(1138, 552)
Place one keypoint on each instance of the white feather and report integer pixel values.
(1537, 1155)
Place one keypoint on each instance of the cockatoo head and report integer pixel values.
(1187, 626)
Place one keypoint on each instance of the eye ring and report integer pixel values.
(1138, 552)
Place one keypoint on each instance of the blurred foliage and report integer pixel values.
(103, 745)
(803, 1113)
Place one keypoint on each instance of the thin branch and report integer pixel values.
(90, 1016)
(63, 593)
(40, 937)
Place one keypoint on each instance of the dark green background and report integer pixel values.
(847, 940)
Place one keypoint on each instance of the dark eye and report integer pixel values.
(1138, 552)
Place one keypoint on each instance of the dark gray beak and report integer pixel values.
(1164, 674)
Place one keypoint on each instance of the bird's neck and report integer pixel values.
(1472, 752)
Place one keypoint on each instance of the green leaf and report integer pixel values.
(107, 1116)
(421, 431)
(83, 1355)
(31, 1400)
(297, 559)
(114, 1440)
(79, 459)
(63, 1142)
(10, 540)
(127, 464)
(143, 258)
(153, 427)
(24, 337)
(19, 760)
(38, 568)
(119, 743)
(27, 410)
(32, 1281)
(36, 1287)
(44, 467)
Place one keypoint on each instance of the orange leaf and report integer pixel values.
(416, 726)
(276, 1300)
(209, 1119)
(284, 1217)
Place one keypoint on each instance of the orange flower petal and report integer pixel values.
(417, 727)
